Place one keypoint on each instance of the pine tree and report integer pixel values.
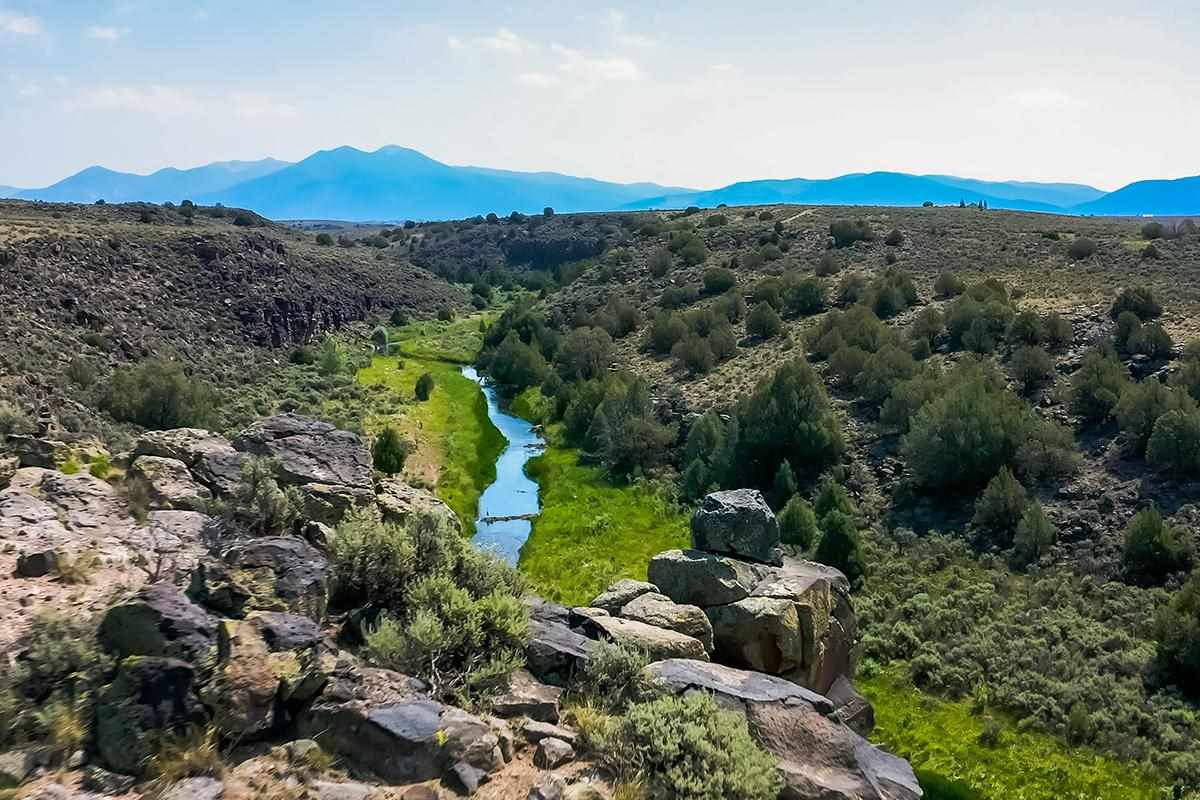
(798, 523)
(389, 451)
(840, 547)
(1035, 536)
(785, 483)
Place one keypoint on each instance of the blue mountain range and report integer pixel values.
(396, 183)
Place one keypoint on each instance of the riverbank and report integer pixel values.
(456, 443)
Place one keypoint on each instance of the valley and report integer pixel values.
(965, 411)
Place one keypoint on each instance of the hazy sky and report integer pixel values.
(692, 93)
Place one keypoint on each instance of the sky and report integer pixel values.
(696, 94)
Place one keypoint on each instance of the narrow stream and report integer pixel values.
(507, 506)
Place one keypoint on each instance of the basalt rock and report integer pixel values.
(307, 450)
(739, 523)
(272, 573)
(170, 483)
(624, 591)
(692, 577)
(210, 457)
(401, 504)
(819, 756)
(659, 610)
(159, 621)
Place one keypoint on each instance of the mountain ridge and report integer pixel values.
(395, 182)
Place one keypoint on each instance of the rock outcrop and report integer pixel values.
(819, 756)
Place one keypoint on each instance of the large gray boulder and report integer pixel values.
(739, 523)
(525, 696)
(658, 643)
(819, 756)
(555, 649)
(307, 450)
(272, 573)
(624, 591)
(159, 621)
(170, 483)
(662, 612)
(147, 698)
(692, 577)
(210, 457)
(759, 633)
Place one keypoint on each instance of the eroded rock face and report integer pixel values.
(247, 681)
(659, 610)
(210, 457)
(739, 523)
(170, 483)
(271, 573)
(657, 642)
(308, 450)
(819, 756)
(159, 621)
(400, 503)
(692, 577)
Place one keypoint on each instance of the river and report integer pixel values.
(507, 506)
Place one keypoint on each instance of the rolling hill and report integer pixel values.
(169, 184)
(1158, 198)
(396, 183)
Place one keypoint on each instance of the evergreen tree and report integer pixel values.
(840, 547)
(1035, 536)
(785, 483)
(1153, 549)
(1000, 508)
(389, 451)
(798, 523)
(424, 387)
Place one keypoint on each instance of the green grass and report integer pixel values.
(457, 340)
(591, 533)
(941, 738)
(457, 443)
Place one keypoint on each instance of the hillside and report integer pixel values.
(1158, 198)
(86, 289)
(165, 185)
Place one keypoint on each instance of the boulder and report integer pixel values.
(819, 756)
(272, 573)
(554, 650)
(101, 781)
(281, 631)
(170, 483)
(851, 707)
(159, 621)
(326, 503)
(327, 790)
(691, 577)
(307, 450)
(400, 503)
(32, 451)
(737, 522)
(37, 564)
(662, 612)
(246, 684)
(552, 753)
(210, 457)
(195, 789)
(8, 468)
(535, 732)
(624, 591)
(15, 767)
(406, 742)
(759, 633)
(658, 643)
(148, 696)
(528, 697)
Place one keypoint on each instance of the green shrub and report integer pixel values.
(882, 371)
(928, 324)
(798, 523)
(1127, 325)
(424, 387)
(660, 262)
(1000, 508)
(895, 238)
(331, 361)
(1142, 404)
(788, 415)
(840, 548)
(379, 340)
(764, 322)
(666, 329)
(1174, 444)
(159, 394)
(722, 342)
(805, 296)
(1137, 299)
(947, 284)
(718, 280)
(1151, 340)
(1153, 550)
(1025, 328)
(1097, 386)
(1031, 366)
(730, 305)
(324, 240)
(846, 232)
(389, 451)
(584, 353)
(260, 503)
(694, 354)
(1034, 536)
(1081, 248)
(1059, 332)
(1177, 632)
(689, 748)
(961, 439)
(679, 296)
(1152, 230)
(828, 264)
(611, 675)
